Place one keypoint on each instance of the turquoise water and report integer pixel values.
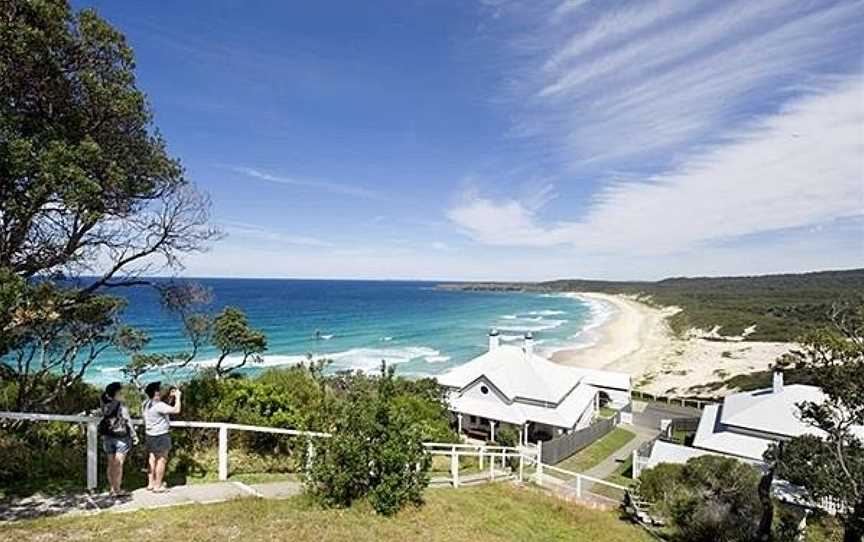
(417, 328)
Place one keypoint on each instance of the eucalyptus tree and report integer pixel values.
(90, 199)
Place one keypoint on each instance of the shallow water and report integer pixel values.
(417, 328)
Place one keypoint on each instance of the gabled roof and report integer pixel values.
(565, 415)
(772, 412)
(713, 435)
(520, 374)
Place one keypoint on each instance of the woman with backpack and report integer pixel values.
(118, 434)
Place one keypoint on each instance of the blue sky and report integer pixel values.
(513, 140)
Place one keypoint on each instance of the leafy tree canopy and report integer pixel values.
(830, 464)
(87, 189)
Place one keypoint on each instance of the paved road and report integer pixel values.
(40, 506)
(648, 415)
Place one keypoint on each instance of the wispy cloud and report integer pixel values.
(624, 82)
(325, 186)
(255, 232)
(802, 166)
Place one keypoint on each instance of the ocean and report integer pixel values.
(419, 329)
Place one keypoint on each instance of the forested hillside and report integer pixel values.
(782, 307)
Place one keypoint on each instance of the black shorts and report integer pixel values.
(158, 444)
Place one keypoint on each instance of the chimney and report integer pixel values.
(778, 381)
(529, 343)
(494, 339)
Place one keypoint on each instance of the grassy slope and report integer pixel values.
(496, 512)
(781, 306)
(597, 451)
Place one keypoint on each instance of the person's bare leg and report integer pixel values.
(161, 463)
(151, 471)
(109, 472)
(118, 472)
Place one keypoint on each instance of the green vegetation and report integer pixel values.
(296, 397)
(782, 307)
(606, 412)
(752, 381)
(87, 185)
(597, 451)
(713, 499)
(718, 499)
(490, 513)
(834, 360)
(375, 452)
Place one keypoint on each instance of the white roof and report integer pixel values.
(712, 435)
(565, 414)
(667, 452)
(520, 374)
(771, 412)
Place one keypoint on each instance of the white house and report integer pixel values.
(747, 423)
(513, 385)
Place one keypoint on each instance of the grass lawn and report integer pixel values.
(597, 451)
(494, 512)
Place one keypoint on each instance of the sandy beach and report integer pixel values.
(636, 339)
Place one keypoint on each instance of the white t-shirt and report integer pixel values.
(156, 421)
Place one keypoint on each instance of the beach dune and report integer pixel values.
(636, 339)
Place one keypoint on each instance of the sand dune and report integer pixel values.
(636, 339)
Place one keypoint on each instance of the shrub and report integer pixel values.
(708, 499)
(376, 451)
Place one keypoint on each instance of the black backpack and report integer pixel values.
(112, 423)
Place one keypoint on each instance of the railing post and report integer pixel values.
(223, 453)
(521, 465)
(539, 473)
(454, 466)
(579, 486)
(481, 457)
(310, 454)
(634, 471)
(92, 456)
(491, 467)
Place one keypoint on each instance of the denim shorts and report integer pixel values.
(158, 444)
(116, 445)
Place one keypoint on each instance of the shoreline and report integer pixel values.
(631, 327)
(636, 339)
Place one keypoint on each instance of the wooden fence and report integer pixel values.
(697, 402)
(560, 448)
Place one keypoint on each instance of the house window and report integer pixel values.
(484, 390)
(473, 419)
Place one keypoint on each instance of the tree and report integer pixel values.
(710, 498)
(87, 189)
(237, 344)
(233, 336)
(375, 451)
(830, 464)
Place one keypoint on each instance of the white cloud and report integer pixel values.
(254, 232)
(801, 166)
(334, 188)
(626, 81)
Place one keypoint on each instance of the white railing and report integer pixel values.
(482, 453)
(579, 484)
(92, 423)
(527, 456)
